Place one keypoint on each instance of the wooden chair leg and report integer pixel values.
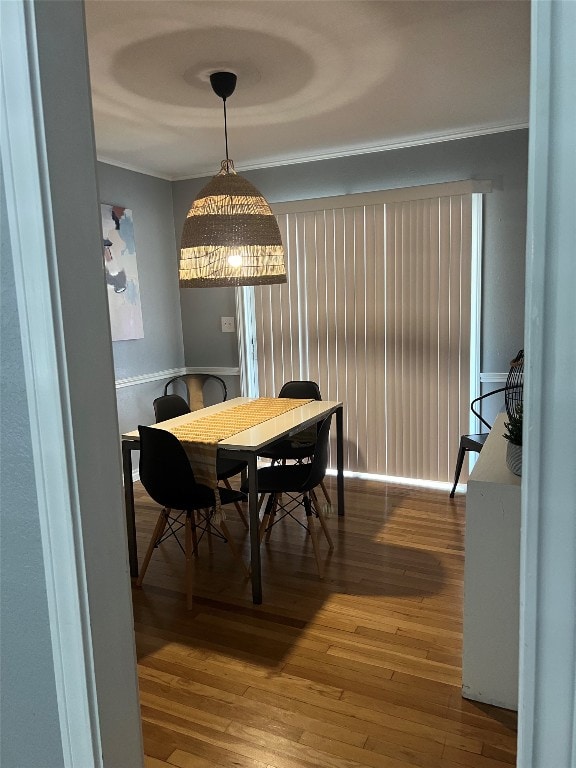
(189, 562)
(156, 536)
(241, 514)
(233, 548)
(325, 492)
(260, 501)
(322, 520)
(206, 513)
(313, 534)
(237, 505)
(265, 517)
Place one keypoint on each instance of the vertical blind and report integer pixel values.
(377, 310)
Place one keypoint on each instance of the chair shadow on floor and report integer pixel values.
(371, 574)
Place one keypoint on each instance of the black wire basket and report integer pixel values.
(514, 393)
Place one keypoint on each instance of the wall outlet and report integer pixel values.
(228, 325)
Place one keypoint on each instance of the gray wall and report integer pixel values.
(501, 157)
(28, 707)
(204, 342)
(161, 349)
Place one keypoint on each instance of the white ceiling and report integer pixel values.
(316, 78)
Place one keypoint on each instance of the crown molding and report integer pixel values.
(415, 142)
(133, 168)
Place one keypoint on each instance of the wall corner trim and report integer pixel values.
(492, 377)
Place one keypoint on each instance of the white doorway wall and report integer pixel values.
(547, 711)
(49, 175)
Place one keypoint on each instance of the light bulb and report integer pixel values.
(235, 260)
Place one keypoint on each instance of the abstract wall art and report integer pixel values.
(121, 273)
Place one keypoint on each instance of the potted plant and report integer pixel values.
(513, 434)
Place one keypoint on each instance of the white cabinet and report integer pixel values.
(492, 577)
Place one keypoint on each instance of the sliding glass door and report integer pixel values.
(381, 310)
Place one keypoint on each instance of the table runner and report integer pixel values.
(200, 437)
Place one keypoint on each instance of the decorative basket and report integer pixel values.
(514, 458)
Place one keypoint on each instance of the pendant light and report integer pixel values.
(230, 235)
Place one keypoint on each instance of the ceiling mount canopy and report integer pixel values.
(223, 84)
(230, 235)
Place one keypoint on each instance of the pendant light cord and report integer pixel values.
(226, 134)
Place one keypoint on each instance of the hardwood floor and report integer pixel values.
(362, 669)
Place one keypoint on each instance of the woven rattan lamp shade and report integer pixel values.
(230, 236)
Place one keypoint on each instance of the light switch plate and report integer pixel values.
(228, 325)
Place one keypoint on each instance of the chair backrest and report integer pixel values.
(319, 461)
(513, 391)
(479, 399)
(169, 406)
(165, 471)
(301, 390)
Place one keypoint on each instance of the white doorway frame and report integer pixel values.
(88, 598)
(547, 709)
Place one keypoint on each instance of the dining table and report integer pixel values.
(245, 445)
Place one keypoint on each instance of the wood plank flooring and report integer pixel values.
(360, 669)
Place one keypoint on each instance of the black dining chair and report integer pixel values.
(471, 442)
(168, 407)
(167, 476)
(292, 485)
(299, 447)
